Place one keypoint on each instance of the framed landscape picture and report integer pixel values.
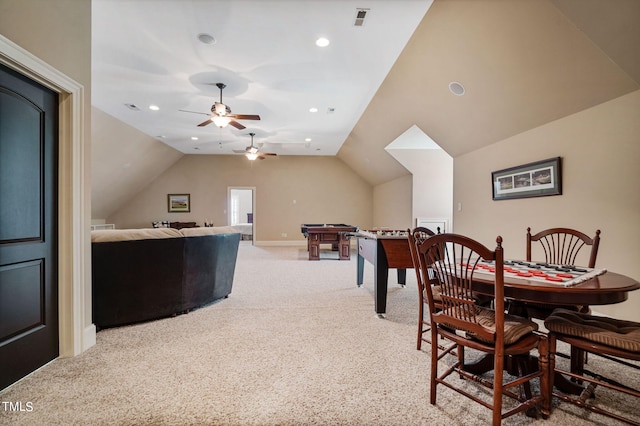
(537, 179)
(178, 203)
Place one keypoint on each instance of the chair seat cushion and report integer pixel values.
(515, 327)
(436, 291)
(612, 332)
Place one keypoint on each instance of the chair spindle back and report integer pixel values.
(455, 259)
(561, 246)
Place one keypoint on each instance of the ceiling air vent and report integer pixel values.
(360, 15)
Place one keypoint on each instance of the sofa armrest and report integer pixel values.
(209, 269)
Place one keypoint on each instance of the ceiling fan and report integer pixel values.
(221, 114)
(251, 152)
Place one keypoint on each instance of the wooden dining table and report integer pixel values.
(604, 289)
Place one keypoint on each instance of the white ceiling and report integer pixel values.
(148, 53)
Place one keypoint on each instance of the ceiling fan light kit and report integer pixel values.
(221, 114)
(220, 121)
(220, 109)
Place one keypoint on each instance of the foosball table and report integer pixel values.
(384, 249)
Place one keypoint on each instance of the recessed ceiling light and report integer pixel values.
(307, 140)
(322, 42)
(154, 107)
(194, 138)
(313, 109)
(456, 88)
(206, 38)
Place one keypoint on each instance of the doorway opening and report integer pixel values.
(241, 211)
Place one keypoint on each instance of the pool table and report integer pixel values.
(338, 235)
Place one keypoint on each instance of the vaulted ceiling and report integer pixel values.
(172, 54)
(522, 63)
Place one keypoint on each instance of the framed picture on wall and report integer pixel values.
(178, 203)
(537, 179)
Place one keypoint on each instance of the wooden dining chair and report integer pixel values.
(455, 259)
(417, 236)
(610, 338)
(561, 246)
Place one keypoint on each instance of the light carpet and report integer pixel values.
(296, 343)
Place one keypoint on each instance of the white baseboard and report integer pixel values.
(296, 243)
(89, 337)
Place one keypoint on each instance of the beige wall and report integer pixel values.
(290, 190)
(124, 161)
(58, 32)
(392, 203)
(600, 150)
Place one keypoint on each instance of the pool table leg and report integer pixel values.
(344, 246)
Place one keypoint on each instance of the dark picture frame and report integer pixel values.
(178, 203)
(537, 179)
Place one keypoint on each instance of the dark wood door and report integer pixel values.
(28, 226)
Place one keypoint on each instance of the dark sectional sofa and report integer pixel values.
(146, 274)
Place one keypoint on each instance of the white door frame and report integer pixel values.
(253, 206)
(76, 332)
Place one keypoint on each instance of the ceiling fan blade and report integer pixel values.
(195, 112)
(237, 125)
(239, 151)
(244, 116)
(204, 123)
(266, 154)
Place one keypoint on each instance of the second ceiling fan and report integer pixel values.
(252, 153)
(221, 114)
